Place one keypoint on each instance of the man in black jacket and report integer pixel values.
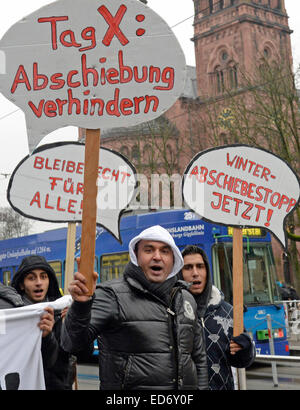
(223, 350)
(149, 336)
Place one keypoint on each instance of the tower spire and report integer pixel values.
(230, 35)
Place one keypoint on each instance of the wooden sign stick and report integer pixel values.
(71, 241)
(89, 212)
(238, 296)
(70, 254)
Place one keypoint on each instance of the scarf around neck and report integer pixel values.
(161, 290)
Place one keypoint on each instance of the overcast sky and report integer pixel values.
(177, 13)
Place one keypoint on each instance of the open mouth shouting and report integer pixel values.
(156, 270)
(38, 294)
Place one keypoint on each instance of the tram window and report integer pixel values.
(57, 267)
(113, 265)
(222, 270)
(259, 274)
(6, 277)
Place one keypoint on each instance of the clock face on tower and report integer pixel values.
(226, 118)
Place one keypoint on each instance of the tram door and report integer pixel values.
(6, 274)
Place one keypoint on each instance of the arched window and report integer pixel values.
(147, 154)
(267, 52)
(233, 76)
(135, 153)
(224, 139)
(220, 80)
(125, 151)
(169, 153)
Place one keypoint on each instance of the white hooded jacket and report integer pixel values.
(157, 233)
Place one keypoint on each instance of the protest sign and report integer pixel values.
(48, 185)
(242, 186)
(91, 64)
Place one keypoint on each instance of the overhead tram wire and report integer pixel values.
(10, 113)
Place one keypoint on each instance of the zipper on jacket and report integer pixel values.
(173, 335)
(171, 311)
(126, 371)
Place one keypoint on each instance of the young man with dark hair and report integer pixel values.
(222, 349)
(35, 281)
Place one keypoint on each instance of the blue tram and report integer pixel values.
(261, 295)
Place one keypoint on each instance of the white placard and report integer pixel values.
(242, 186)
(48, 185)
(92, 64)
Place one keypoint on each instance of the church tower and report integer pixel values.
(232, 35)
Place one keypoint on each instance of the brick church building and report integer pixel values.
(230, 37)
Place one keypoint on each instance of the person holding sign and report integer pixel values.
(35, 281)
(223, 350)
(146, 324)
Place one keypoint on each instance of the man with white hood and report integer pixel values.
(146, 322)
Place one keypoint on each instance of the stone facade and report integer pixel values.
(232, 35)
(229, 36)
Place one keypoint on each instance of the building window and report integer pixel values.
(169, 153)
(220, 81)
(148, 154)
(233, 77)
(125, 151)
(267, 52)
(135, 153)
(224, 139)
(224, 55)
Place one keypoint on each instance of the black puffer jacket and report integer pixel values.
(9, 297)
(144, 343)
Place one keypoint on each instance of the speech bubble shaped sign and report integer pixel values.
(242, 186)
(48, 185)
(91, 64)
